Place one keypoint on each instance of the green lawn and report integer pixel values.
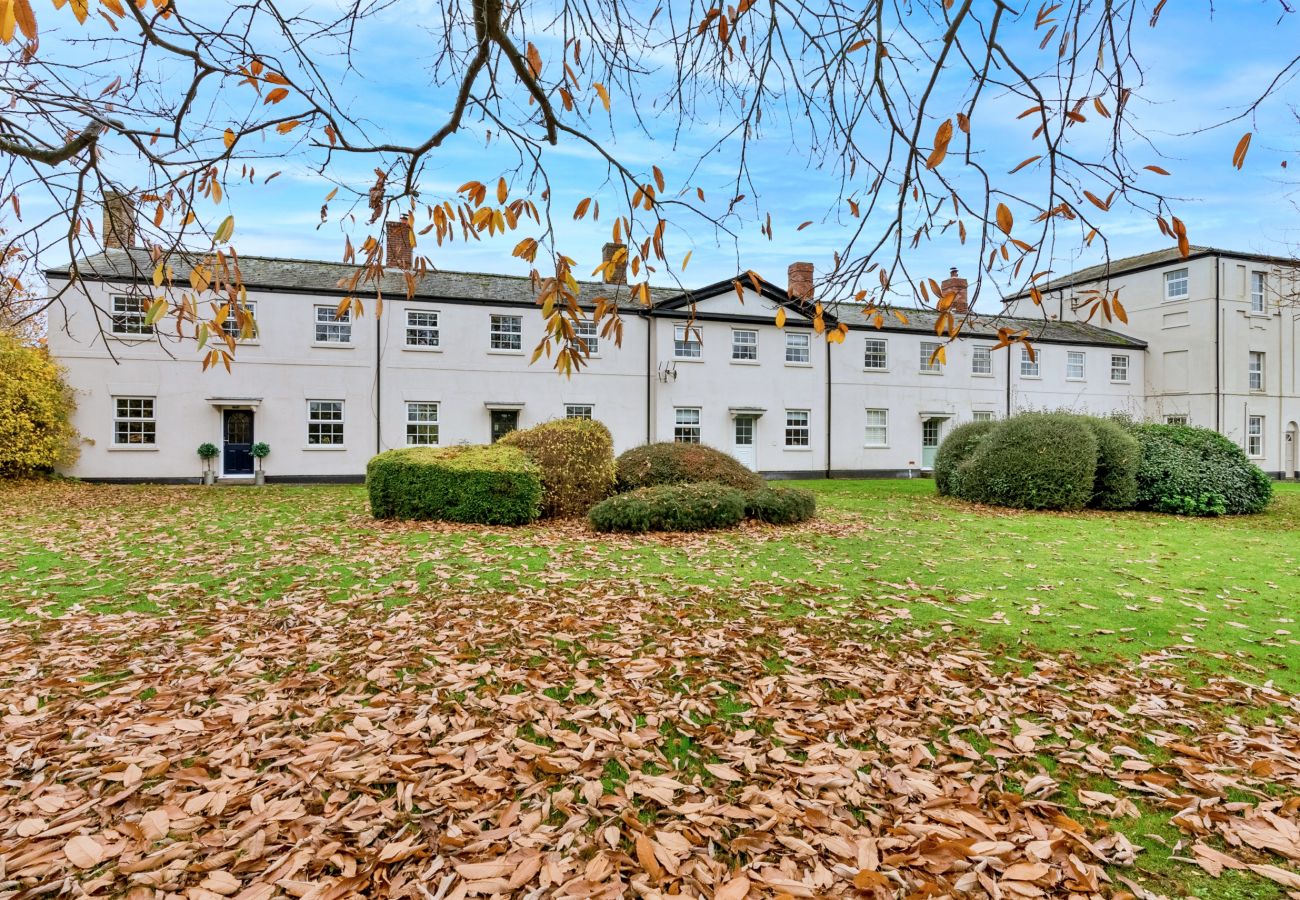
(841, 677)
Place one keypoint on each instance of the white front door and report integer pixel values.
(743, 443)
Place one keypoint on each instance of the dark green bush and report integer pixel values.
(1118, 455)
(956, 448)
(672, 463)
(780, 506)
(576, 457)
(670, 507)
(492, 485)
(1032, 461)
(1191, 471)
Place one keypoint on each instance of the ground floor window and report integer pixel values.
(1255, 436)
(421, 424)
(324, 423)
(686, 425)
(577, 411)
(981, 415)
(877, 428)
(1119, 368)
(797, 431)
(133, 421)
(1175, 420)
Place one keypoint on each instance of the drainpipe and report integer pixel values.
(379, 389)
(828, 409)
(1218, 350)
(1008, 414)
(649, 373)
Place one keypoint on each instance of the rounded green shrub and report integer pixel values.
(1032, 461)
(673, 463)
(780, 506)
(576, 458)
(1191, 471)
(1118, 455)
(956, 448)
(491, 485)
(670, 507)
(36, 405)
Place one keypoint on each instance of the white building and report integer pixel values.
(451, 365)
(1223, 340)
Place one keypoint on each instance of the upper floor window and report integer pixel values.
(1030, 363)
(421, 424)
(325, 422)
(687, 342)
(1255, 436)
(1176, 284)
(507, 333)
(241, 327)
(133, 421)
(1255, 371)
(876, 356)
(930, 356)
(686, 425)
(798, 347)
(331, 328)
(1258, 287)
(1119, 368)
(578, 411)
(1075, 363)
(744, 344)
(981, 361)
(797, 430)
(129, 314)
(587, 332)
(422, 328)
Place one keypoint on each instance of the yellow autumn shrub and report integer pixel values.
(36, 433)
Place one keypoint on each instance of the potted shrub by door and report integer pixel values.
(208, 452)
(260, 451)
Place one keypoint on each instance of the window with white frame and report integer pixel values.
(421, 424)
(231, 325)
(981, 361)
(1255, 371)
(1030, 363)
(1175, 420)
(1119, 368)
(686, 425)
(578, 411)
(325, 423)
(507, 333)
(422, 328)
(1258, 288)
(876, 355)
(981, 415)
(1075, 365)
(332, 328)
(687, 342)
(587, 332)
(134, 424)
(1254, 435)
(798, 347)
(797, 431)
(877, 428)
(129, 314)
(1176, 284)
(744, 345)
(930, 361)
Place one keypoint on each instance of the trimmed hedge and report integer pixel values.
(956, 448)
(576, 458)
(1115, 485)
(1032, 461)
(490, 485)
(780, 506)
(1191, 471)
(673, 463)
(670, 507)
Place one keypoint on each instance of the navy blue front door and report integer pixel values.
(237, 438)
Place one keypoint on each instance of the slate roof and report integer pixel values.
(921, 321)
(321, 277)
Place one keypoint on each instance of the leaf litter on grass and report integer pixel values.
(608, 741)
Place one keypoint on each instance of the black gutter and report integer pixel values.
(1008, 415)
(649, 376)
(828, 409)
(1218, 350)
(379, 391)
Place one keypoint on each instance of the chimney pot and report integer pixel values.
(617, 273)
(800, 281)
(956, 286)
(119, 221)
(397, 238)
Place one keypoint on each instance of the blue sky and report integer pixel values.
(1200, 68)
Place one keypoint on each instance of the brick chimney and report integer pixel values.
(957, 287)
(800, 282)
(616, 274)
(119, 221)
(397, 240)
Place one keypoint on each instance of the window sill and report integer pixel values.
(798, 365)
(1113, 381)
(876, 371)
(926, 372)
(131, 338)
(421, 349)
(875, 446)
(251, 342)
(333, 345)
(688, 359)
(981, 374)
(128, 448)
(326, 447)
(797, 449)
(505, 352)
(744, 362)
(1076, 379)
(1031, 377)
